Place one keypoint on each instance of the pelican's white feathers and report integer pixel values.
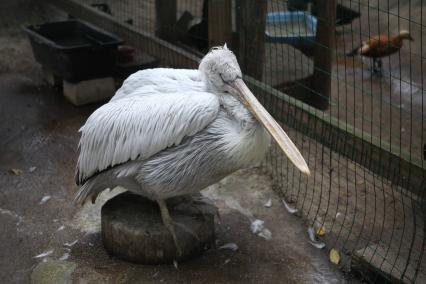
(160, 80)
(140, 127)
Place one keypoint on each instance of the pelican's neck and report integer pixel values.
(234, 108)
(246, 140)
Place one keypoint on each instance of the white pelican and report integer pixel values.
(171, 132)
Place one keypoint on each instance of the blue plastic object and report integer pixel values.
(295, 28)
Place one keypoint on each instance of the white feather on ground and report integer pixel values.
(266, 234)
(268, 203)
(44, 254)
(290, 209)
(44, 199)
(313, 241)
(230, 246)
(65, 256)
(258, 229)
(256, 226)
(70, 244)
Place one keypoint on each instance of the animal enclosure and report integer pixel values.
(360, 124)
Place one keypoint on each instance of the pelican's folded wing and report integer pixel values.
(139, 127)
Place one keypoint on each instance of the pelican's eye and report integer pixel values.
(221, 77)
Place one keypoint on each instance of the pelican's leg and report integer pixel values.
(169, 223)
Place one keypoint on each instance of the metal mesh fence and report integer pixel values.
(359, 120)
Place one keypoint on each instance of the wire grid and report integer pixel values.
(378, 227)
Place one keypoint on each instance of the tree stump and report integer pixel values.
(132, 228)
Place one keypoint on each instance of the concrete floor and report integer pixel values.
(38, 135)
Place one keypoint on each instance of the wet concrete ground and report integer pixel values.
(38, 137)
(39, 129)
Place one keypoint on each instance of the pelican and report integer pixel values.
(170, 132)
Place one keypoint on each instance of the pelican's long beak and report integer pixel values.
(271, 125)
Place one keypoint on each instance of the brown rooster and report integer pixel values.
(380, 46)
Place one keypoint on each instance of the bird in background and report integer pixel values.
(171, 132)
(380, 46)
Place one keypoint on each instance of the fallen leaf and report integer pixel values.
(334, 256)
(32, 169)
(321, 231)
(16, 172)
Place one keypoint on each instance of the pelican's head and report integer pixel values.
(221, 73)
(219, 68)
(405, 35)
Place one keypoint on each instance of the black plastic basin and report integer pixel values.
(74, 50)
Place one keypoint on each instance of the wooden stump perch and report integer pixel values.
(132, 228)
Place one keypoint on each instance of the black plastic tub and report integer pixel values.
(74, 50)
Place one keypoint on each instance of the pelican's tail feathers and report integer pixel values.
(89, 189)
